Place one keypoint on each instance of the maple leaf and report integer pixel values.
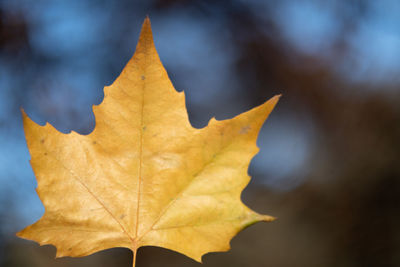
(144, 176)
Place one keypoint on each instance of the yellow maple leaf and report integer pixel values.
(144, 176)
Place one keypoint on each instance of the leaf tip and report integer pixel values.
(25, 118)
(268, 106)
(145, 44)
(267, 218)
(146, 27)
(199, 259)
(19, 234)
(23, 113)
(273, 100)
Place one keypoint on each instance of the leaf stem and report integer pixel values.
(134, 258)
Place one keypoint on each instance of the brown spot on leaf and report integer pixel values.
(244, 130)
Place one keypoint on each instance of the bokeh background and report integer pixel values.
(329, 164)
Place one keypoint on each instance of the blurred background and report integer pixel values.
(329, 164)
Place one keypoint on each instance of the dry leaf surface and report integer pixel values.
(144, 176)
